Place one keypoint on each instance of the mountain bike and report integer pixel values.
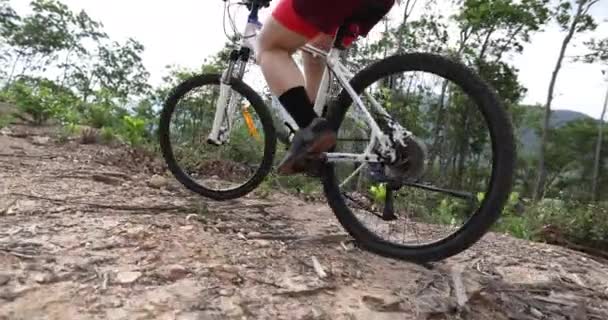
(395, 162)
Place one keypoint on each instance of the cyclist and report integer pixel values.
(293, 24)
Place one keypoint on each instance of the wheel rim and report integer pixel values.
(222, 168)
(419, 215)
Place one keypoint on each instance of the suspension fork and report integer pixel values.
(226, 104)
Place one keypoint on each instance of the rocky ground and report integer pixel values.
(90, 232)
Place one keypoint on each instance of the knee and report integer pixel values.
(268, 48)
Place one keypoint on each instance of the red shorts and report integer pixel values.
(311, 17)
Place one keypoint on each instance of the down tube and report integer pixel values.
(338, 72)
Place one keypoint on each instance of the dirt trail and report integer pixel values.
(87, 233)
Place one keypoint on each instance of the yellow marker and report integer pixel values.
(253, 131)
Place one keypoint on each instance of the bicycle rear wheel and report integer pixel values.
(442, 211)
(223, 172)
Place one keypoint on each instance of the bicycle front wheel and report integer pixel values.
(453, 179)
(232, 169)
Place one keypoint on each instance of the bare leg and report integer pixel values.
(277, 44)
(314, 67)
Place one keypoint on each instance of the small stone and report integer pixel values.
(127, 277)
(253, 234)
(198, 315)
(383, 304)
(176, 272)
(229, 268)
(5, 132)
(41, 140)
(241, 236)
(226, 292)
(227, 272)
(262, 243)
(187, 228)
(228, 306)
(114, 302)
(43, 278)
(4, 279)
(158, 182)
(315, 314)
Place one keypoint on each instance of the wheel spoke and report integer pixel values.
(455, 121)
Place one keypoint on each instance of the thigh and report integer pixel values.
(286, 15)
(276, 36)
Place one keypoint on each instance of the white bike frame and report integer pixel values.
(380, 146)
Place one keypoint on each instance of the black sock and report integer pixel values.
(298, 105)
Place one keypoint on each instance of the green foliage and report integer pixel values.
(575, 13)
(120, 69)
(378, 192)
(5, 120)
(68, 131)
(42, 99)
(449, 212)
(577, 222)
(107, 135)
(598, 51)
(133, 129)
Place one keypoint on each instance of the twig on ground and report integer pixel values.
(328, 238)
(255, 279)
(318, 267)
(277, 237)
(31, 156)
(426, 285)
(459, 289)
(104, 206)
(104, 282)
(306, 292)
(18, 254)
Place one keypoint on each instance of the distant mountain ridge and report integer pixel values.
(528, 137)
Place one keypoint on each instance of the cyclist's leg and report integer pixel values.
(282, 35)
(277, 44)
(295, 22)
(314, 67)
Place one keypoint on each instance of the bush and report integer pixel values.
(67, 131)
(99, 116)
(42, 100)
(243, 147)
(133, 129)
(107, 135)
(6, 120)
(89, 135)
(585, 224)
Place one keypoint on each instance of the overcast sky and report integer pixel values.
(184, 32)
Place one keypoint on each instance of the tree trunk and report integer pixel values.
(598, 152)
(65, 67)
(407, 11)
(542, 175)
(12, 74)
